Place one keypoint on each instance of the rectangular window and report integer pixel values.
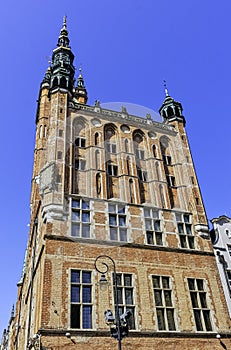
(229, 249)
(80, 218)
(140, 154)
(81, 299)
(142, 174)
(111, 147)
(154, 235)
(80, 142)
(112, 169)
(171, 180)
(117, 222)
(184, 228)
(167, 160)
(80, 164)
(126, 301)
(199, 304)
(163, 303)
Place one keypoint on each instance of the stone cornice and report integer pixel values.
(121, 117)
(133, 334)
(93, 241)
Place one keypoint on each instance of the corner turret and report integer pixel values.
(171, 110)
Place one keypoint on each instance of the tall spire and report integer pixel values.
(62, 69)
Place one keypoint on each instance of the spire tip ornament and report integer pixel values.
(165, 89)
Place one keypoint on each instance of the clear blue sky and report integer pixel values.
(126, 48)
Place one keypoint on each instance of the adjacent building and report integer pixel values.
(123, 189)
(221, 239)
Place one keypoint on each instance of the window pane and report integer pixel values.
(180, 228)
(123, 235)
(159, 240)
(86, 277)
(112, 220)
(120, 296)
(113, 234)
(191, 284)
(155, 214)
(75, 276)
(158, 298)
(203, 300)
(186, 218)
(156, 281)
(194, 300)
(122, 221)
(191, 242)
(188, 229)
(128, 296)
(75, 316)
(85, 217)
(165, 282)
(131, 320)
(118, 279)
(112, 209)
(148, 224)
(75, 204)
(87, 317)
(85, 205)
(171, 322)
(200, 285)
(75, 296)
(183, 242)
(197, 315)
(147, 213)
(150, 238)
(208, 325)
(121, 210)
(76, 216)
(86, 231)
(160, 319)
(128, 280)
(75, 230)
(167, 296)
(157, 225)
(86, 297)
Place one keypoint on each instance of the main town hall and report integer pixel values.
(119, 253)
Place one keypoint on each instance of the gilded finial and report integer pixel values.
(80, 70)
(65, 21)
(165, 88)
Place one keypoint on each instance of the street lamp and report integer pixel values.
(118, 324)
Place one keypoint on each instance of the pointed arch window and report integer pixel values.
(96, 139)
(126, 145)
(131, 191)
(98, 184)
(97, 159)
(154, 151)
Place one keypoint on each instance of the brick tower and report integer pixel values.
(123, 188)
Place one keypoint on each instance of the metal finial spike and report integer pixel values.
(65, 22)
(165, 88)
(80, 70)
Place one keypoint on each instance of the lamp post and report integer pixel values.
(120, 321)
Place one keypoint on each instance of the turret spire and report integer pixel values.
(63, 38)
(165, 89)
(80, 90)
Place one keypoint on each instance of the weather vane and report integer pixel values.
(165, 88)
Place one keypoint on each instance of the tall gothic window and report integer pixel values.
(165, 312)
(81, 299)
(198, 294)
(126, 296)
